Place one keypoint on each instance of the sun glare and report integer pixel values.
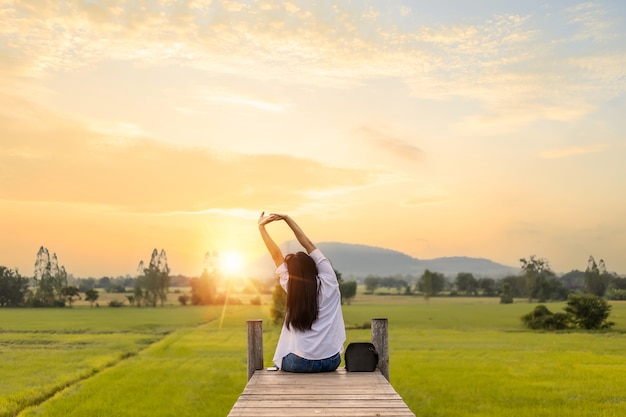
(231, 262)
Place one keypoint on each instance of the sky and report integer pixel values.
(490, 129)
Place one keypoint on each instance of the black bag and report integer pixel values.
(361, 357)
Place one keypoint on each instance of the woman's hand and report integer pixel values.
(263, 219)
(302, 238)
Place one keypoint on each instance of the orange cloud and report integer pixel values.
(48, 158)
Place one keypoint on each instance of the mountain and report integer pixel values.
(359, 261)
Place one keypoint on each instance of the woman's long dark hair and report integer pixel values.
(302, 309)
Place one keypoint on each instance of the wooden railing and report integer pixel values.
(380, 340)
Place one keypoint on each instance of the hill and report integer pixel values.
(359, 261)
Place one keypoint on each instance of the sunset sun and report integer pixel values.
(231, 262)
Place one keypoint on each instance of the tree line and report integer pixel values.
(52, 286)
(49, 286)
(536, 281)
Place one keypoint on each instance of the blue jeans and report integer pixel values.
(294, 363)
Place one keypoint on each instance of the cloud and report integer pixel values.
(572, 151)
(420, 201)
(593, 20)
(245, 100)
(499, 60)
(240, 213)
(48, 158)
(388, 144)
(405, 11)
(506, 116)
(519, 71)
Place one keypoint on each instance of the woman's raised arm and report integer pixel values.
(298, 232)
(272, 247)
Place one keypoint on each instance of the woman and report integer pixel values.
(313, 333)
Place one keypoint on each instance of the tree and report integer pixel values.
(439, 282)
(13, 287)
(573, 280)
(597, 279)
(50, 279)
(431, 283)
(338, 275)
(619, 283)
(371, 283)
(105, 282)
(488, 286)
(507, 294)
(279, 304)
(85, 284)
(536, 272)
(204, 288)
(589, 311)
(398, 282)
(517, 285)
(117, 288)
(426, 284)
(553, 289)
(465, 282)
(163, 276)
(615, 294)
(155, 280)
(348, 291)
(138, 294)
(70, 292)
(91, 296)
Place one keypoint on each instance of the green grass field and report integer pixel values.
(448, 357)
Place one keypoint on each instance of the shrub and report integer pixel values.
(183, 299)
(119, 289)
(116, 303)
(256, 301)
(589, 311)
(542, 318)
(615, 294)
(506, 299)
(583, 311)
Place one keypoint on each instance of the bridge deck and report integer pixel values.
(339, 393)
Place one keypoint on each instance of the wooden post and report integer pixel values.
(380, 340)
(255, 346)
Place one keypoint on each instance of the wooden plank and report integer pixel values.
(288, 396)
(339, 393)
(380, 411)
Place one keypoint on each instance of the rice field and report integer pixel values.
(448, 357)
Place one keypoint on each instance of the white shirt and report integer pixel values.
(328, 332)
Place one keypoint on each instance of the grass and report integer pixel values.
(449, 357)
(488, 373)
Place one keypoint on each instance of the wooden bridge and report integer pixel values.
(339, 393)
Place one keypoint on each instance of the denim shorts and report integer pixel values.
(294, 363)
